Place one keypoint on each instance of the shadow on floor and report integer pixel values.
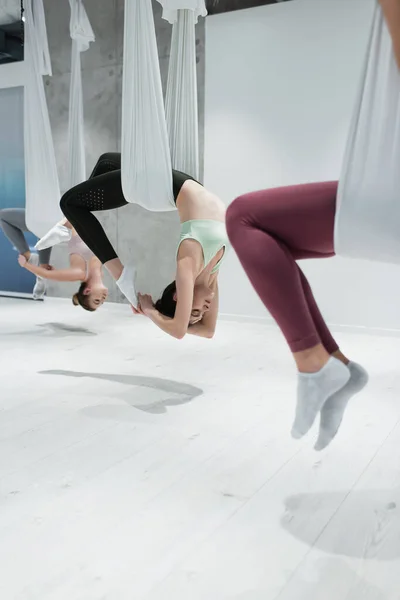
(58, 330)
(149, 399)
(368, 527)
(63, 330)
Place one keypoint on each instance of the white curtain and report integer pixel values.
(146, 160)
(181, 101)
(41, 179)
(82, 35)
(146, 155)
(368, 211)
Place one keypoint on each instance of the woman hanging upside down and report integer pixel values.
(190, 303)
(84, 267)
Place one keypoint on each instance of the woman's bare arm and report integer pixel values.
(391, 10)
(178, 326)
(72, 274)
(206, 327)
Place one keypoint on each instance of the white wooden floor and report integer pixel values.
(137, 467)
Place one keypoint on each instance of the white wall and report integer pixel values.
(12, 75)
(280, 87)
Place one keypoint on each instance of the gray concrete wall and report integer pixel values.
(148, 239)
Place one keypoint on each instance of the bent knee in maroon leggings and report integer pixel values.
(269, 231)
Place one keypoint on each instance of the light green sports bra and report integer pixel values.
(210, 234)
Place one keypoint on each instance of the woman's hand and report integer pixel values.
(146, 303)
(137, 311)
(22, 261)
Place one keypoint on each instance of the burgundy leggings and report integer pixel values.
(270, 230)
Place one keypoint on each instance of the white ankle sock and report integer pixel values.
(126, 284)
(40, 288)
(313, 390)
(334, 408)
(34, 259)
(57, 234)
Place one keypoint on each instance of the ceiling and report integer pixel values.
(221, 6)
(11, 35)
(10, 10)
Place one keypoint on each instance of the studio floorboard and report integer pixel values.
(138, 467)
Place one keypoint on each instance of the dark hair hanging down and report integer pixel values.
(167, 305)
(80, 299)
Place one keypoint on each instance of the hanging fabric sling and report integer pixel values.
(148, 152)
(42, 184)
(41, 178)
(82, 35)
(181, 108)
(368, 208)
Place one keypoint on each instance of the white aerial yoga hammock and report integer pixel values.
(41, 178)
(42, 184)
(148, 152)
(368, 209)
(181, 108)
(82, 35)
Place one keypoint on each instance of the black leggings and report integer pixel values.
(103, 191)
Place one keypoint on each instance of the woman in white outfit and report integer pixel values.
(84, 267)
